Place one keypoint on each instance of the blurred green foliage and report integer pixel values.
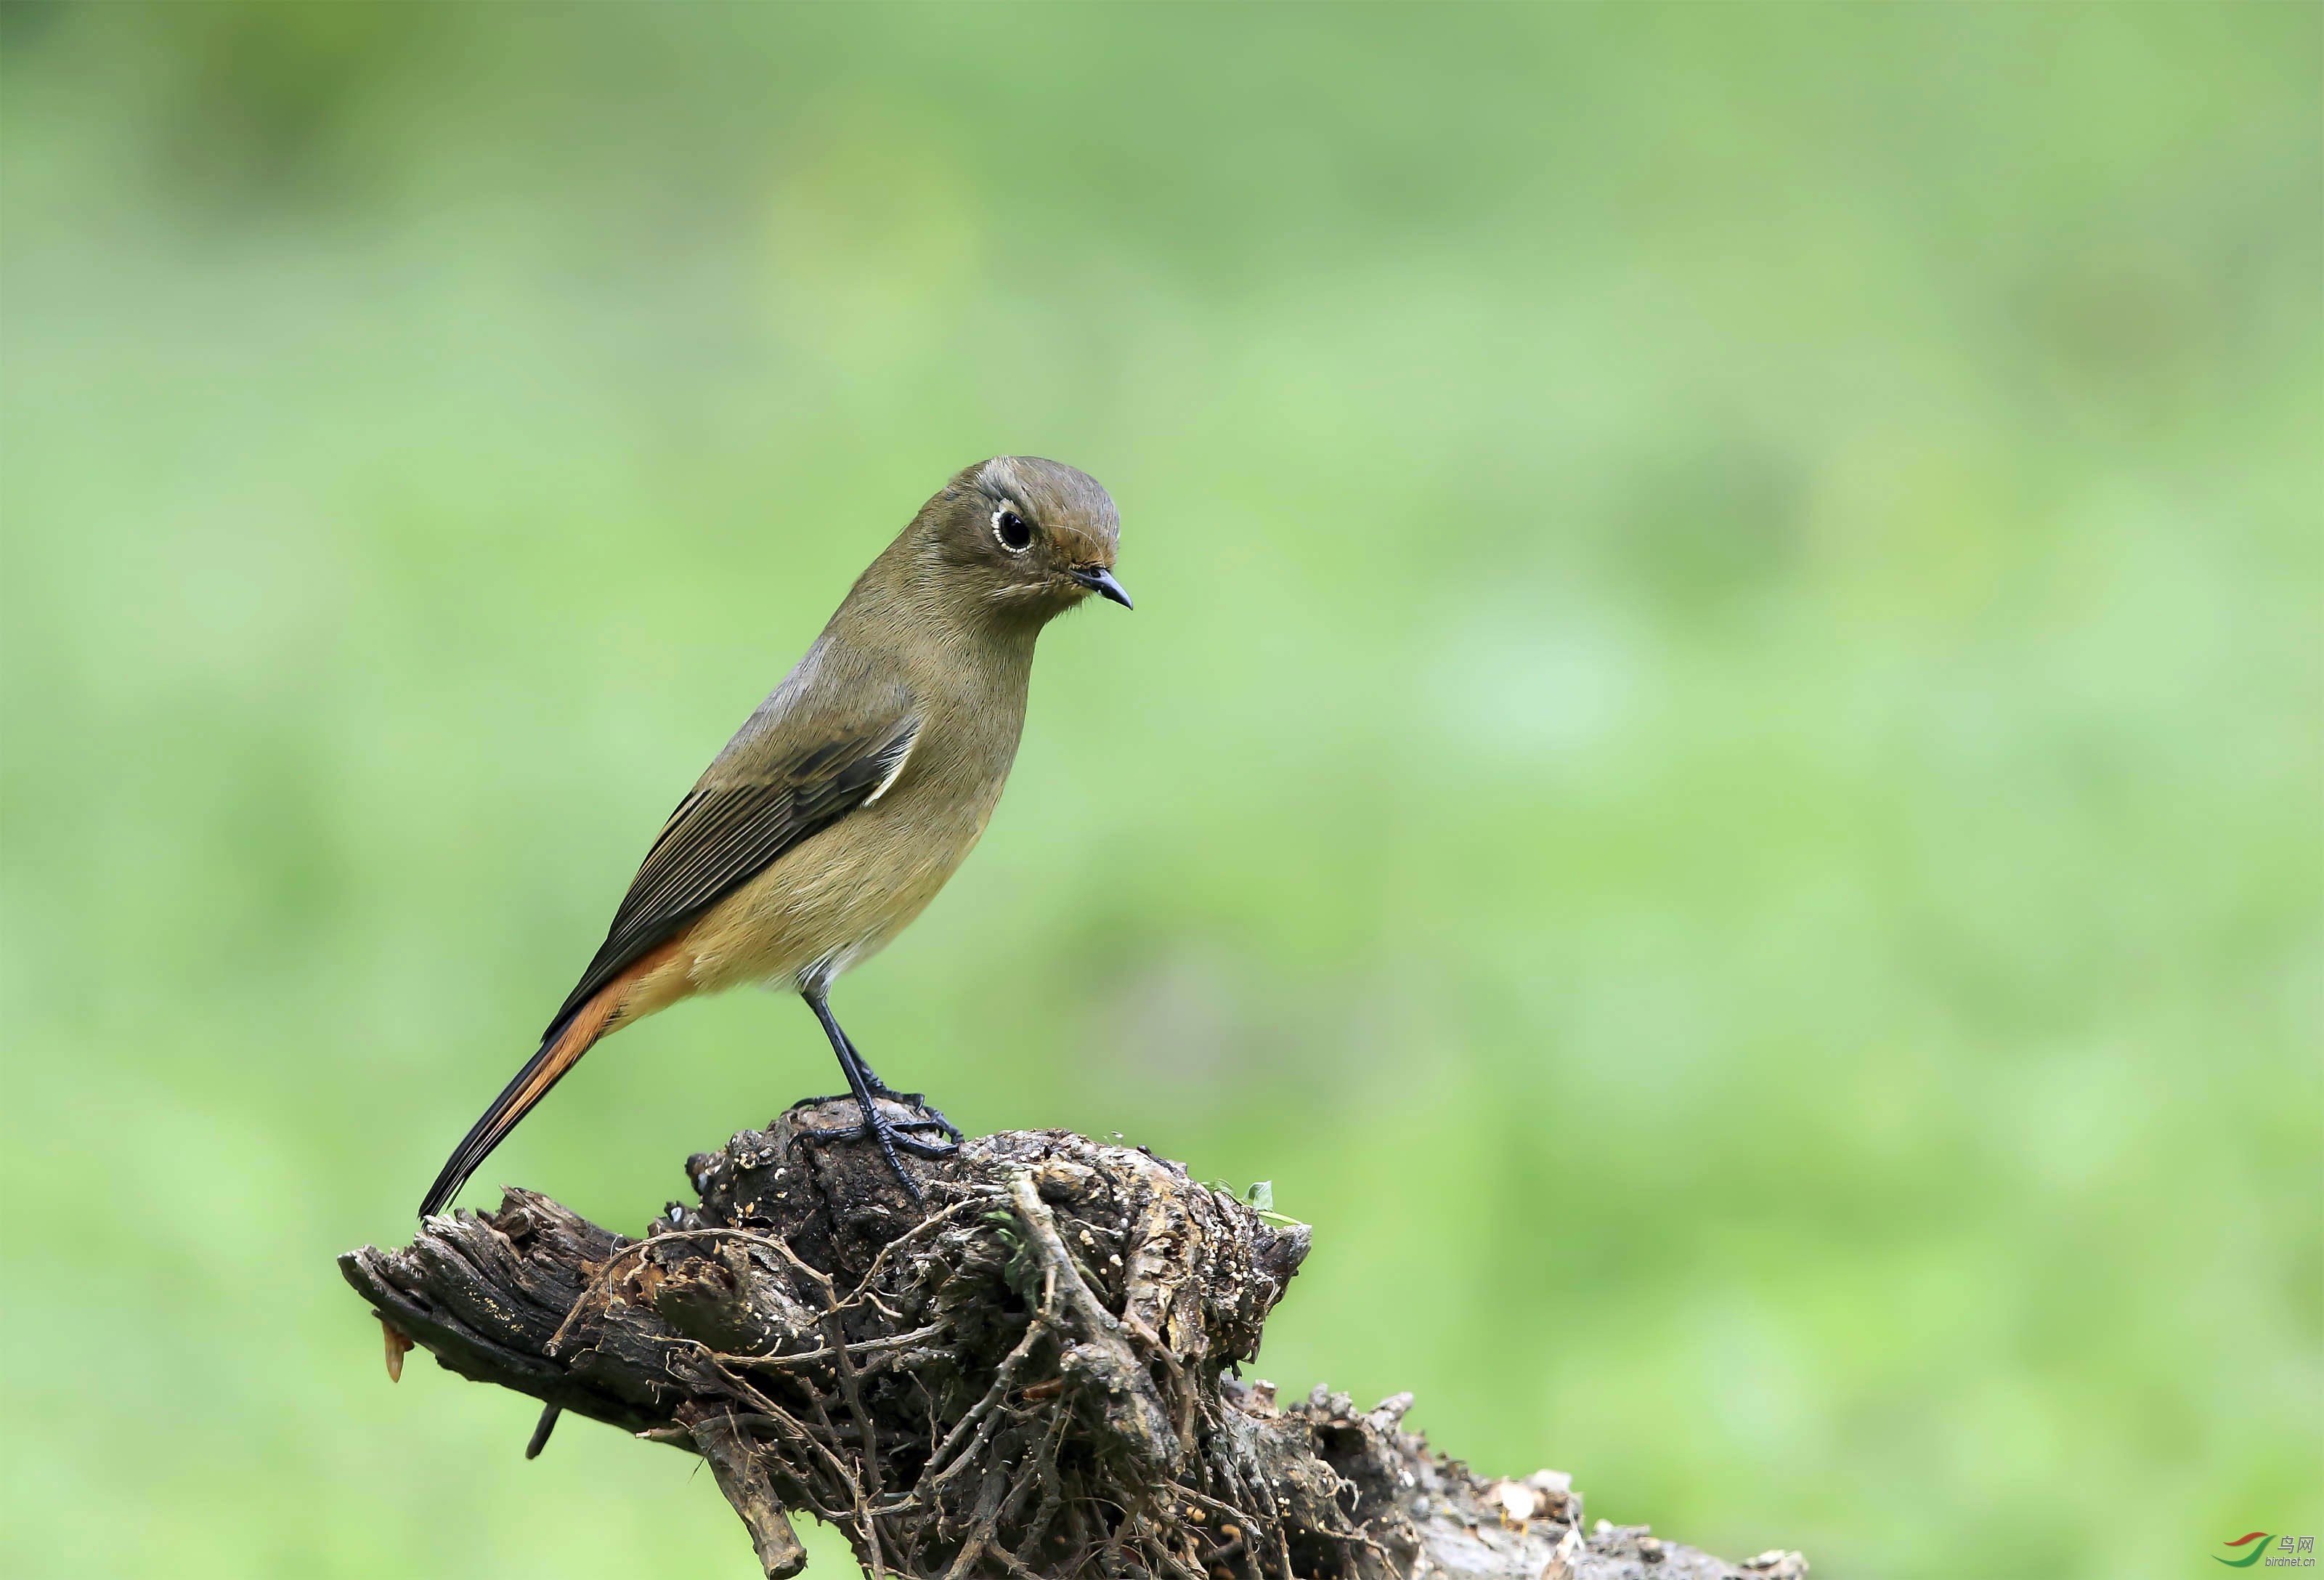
(1717, 770)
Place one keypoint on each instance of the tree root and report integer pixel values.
(1031, 1375)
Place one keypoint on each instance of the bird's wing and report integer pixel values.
(734, 824)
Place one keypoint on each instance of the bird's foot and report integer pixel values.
(936, 1118)
(893, 1136)
(879, 1088)
(856, 1132)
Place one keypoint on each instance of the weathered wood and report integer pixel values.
(1030, 1373)
(723, 1440)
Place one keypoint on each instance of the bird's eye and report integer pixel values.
(1012, 532)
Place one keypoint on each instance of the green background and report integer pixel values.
(1717, 771)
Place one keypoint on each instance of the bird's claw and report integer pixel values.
(935, 1120)
(893, 1135)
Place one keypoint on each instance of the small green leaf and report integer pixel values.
(1261, 1196)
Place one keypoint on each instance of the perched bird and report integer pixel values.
(842, 804)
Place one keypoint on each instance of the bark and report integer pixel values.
(1034, 1371)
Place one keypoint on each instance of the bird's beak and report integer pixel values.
(1100, 581)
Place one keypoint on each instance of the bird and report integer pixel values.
(850, 795)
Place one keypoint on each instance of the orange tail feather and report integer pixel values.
(562, 1050)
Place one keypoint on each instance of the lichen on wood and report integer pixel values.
(1033, 1370)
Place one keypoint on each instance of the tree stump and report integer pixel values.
(1033, 1371)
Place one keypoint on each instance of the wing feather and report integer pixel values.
(723, 835)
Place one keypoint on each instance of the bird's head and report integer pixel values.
(1025, 538)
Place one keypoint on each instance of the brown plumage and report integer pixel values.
(846, 799)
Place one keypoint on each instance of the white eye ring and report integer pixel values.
(1005, 521)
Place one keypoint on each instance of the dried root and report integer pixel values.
(1029, 1374)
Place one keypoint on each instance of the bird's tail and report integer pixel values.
(559, 1052)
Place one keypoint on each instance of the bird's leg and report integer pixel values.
(880, 1088)
(844, 1047)
(877, 1087)
(865, 1087)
